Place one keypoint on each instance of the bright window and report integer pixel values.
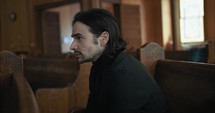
(191, 21)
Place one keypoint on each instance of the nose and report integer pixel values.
(73, 45)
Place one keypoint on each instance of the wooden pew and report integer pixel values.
(184, 55)
(59, 83)
(16, 96)
(211, 52)
(50, 72)
(188, 86)
(148, 54)
(204, 52)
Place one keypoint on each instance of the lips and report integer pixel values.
(77, 53)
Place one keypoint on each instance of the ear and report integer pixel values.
(104, 38)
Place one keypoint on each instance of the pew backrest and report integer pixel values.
(50, 72)
(188, 86)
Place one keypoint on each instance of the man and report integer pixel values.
(119, 83)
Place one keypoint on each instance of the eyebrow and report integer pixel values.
(77, 34)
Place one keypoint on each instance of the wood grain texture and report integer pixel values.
(15, 93)
(149, 54)
(188, 86)
(60, 84)
(211, 52)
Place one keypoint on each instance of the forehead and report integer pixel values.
(80, 28)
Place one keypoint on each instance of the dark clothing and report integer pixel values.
(122, 85)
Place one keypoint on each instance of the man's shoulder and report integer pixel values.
(124, 59)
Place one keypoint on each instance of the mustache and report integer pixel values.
(77, 52)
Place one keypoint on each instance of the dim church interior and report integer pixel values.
(68, 88)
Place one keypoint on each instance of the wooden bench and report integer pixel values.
(188, 86)
(50, 72)
(204, 52)
(211, 52)
(16, 95)
(58, 83)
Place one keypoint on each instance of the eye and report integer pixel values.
(78, 37)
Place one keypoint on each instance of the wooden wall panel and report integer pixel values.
(14, 33)
(209, 21)
(130, 25)
(152, 21)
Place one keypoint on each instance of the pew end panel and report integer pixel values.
(60, 84)
(16, 94)
(149, 54)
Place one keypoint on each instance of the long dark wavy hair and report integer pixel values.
(100, 20)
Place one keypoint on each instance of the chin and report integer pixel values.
(81, 61)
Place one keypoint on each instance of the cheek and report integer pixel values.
(86, 50)
(91, 51)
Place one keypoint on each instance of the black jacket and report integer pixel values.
(122, 85)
